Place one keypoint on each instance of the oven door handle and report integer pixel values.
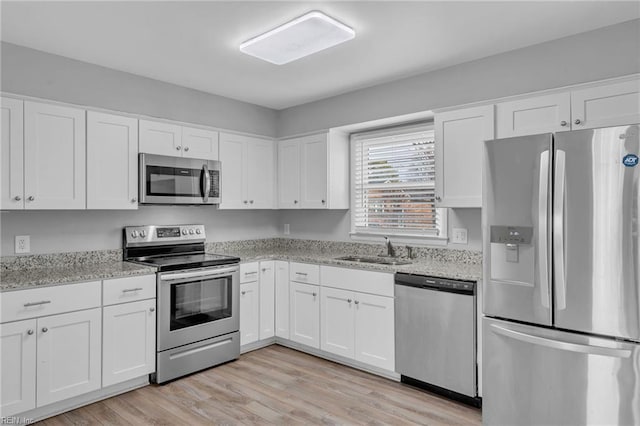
(175, 276)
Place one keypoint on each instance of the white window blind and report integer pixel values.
(394, 184)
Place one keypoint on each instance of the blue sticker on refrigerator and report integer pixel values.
(630, 160)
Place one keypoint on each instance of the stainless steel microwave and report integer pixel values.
(177, 180)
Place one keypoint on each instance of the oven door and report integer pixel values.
(175, 180)
(194, 305)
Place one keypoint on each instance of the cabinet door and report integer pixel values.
(17, 367)
(282, 299)
(260, 173)
(338, 326)
(69, 355)
(532, 116)
(267, 299)
(313, 172)
(611, 105)
(199, 143)
(160, 138)
(304, 314)
(12, 179)
(54, 157)
(233, 153)
(129, 341)
(249, 312)
(112, 161)
(289, 174)
(375, 341)
(459, 138)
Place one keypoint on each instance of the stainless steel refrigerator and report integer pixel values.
(561, 294)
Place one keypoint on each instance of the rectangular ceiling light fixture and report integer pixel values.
(296, 39)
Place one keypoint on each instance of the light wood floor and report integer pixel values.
(275, 385)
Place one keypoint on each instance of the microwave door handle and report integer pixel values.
(206, 182)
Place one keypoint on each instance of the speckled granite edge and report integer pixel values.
(289, 245)
(59, 260)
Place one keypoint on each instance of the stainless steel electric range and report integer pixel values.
(197, 297)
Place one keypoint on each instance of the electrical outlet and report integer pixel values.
(287, 230)
(23, 244)
(459, 236)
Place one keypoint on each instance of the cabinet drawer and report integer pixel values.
(304, 273)
(49, 300)
(129, 289)
(380, 283)
(248, 272)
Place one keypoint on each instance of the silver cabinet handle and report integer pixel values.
(438, 198)
(348, 300)
(324, 202)
(295, 201)
(266, 269)
(44, 302)
(186, 148)
(543, 200)
(577, 121)
(152, 309)
(178, 148)
(17, 198)
(563, 123)
(29, 332)
(304, 274)
(558, 230)
(250, 201)
(31, 198)
(245, 201)
(127, 290)
(314, 294)
(45, 329)
(356, 302)
(251, 273)
(243, 292)
(133, 200)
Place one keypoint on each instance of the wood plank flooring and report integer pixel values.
(275, 385)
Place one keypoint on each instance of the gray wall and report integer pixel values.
(604, 53)
(34, 73)
(62, 231)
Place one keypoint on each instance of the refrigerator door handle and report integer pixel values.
(561, 345)
(558, 230)
(543, 229)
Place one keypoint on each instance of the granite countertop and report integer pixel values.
(454, 269)
(24, 278)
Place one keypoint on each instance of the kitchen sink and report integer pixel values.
(377, 260)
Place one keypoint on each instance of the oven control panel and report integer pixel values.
(155, 235)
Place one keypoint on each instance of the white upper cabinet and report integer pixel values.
(603, 106)
(112, 161)
(540, 114)
(313, 172)
(178, 141)
(247, 172)
(199, 143)
(54, 157)
(12, 178)
(460, 135)
(160, 138)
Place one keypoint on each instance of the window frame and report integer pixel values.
(400, 237)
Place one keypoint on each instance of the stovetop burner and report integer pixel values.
(171, 248)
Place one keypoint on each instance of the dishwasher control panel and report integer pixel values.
(441, 284)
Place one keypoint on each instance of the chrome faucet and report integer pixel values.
(391, 252)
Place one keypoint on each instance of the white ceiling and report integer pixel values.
(195, 44)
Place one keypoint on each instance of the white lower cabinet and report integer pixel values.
(249, 312)
(282, 299)
(129, 341)
(18, 367)
(267, 299)
(304, 314)
(358, 326)
(68, 355)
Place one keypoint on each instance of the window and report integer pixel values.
(393, 184)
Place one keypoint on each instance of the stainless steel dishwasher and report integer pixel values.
(436, 335)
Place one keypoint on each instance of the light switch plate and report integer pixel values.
(23, 244)
(459, 236)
